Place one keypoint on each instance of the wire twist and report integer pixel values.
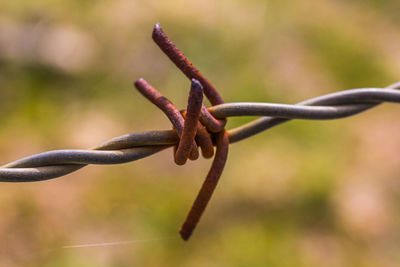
(197, 126)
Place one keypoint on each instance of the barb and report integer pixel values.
(172, 113)
(179, 59)
(196, 126)
(208, 186)
(190, 126)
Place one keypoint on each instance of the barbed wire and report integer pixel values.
(135, 146)
(197, 126)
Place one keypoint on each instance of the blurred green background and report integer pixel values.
(302, 194)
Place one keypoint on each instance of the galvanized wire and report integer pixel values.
(135, 146)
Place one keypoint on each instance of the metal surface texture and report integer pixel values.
(197, 126)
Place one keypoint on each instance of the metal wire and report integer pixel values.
(366, 98)
(195, 127)
(134, 146)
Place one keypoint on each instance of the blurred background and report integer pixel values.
(307, 193)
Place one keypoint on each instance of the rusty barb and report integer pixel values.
(195, 127)
(191, 129)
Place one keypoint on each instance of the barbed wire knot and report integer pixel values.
(195, 126)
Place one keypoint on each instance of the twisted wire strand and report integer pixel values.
(135, 146)
(371, 97)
